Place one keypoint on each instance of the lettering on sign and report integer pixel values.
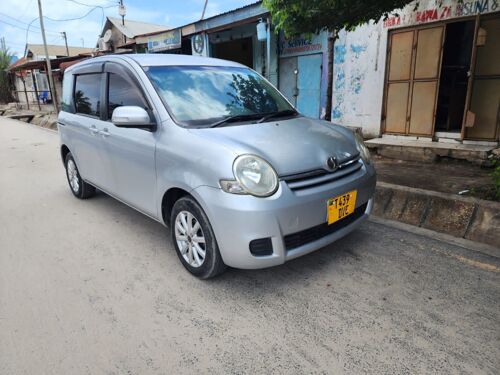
(165, 41)
(301, 45)
(465, 8)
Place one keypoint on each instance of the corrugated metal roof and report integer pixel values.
(133, 28)
(56, 50)
(232, 10)
(204, 21)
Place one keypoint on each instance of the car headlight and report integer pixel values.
(253, 175)
(363, 150)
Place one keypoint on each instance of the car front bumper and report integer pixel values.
(239, 219)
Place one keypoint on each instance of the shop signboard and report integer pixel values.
(165, 41)
(302, 45)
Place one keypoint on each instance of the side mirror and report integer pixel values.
(131, 116)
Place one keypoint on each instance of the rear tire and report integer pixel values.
(78, 187)
(194, 239)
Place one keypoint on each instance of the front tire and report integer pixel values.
(78, 187)
(194, 239)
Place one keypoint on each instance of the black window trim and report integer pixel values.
(112, 67)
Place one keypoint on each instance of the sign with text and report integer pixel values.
(302, 45)
(426, 12)
(165, 41)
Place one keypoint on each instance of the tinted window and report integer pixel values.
(67, 92)
(122, 92)
(87, 94)
(198, 95)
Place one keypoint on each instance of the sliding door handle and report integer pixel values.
(105, 133)
(94, 130)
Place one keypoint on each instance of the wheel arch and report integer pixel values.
(168, 200)
(64, 151)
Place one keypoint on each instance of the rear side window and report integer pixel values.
(88, 94)
(123, 92)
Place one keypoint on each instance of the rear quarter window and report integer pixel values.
(67, 93)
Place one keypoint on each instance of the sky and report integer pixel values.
(16, 15)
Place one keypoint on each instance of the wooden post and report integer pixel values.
(25, 93)
(36, 90)
(329, 84)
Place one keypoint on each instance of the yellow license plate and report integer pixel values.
(341, 206)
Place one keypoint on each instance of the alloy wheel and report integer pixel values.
(190, 239)
(73, 176)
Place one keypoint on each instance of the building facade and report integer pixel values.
(296, 66)
(428, 71)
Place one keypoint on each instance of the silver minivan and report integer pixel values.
(213, 151)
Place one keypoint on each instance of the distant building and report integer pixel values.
(37, 51)
(29, 76)
(118, 37)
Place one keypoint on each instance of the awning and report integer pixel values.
(54, 63)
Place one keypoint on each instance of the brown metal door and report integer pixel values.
(483, 118)
(413, 80)
(425, 80)
(398, 81)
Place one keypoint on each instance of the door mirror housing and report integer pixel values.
(131, 117)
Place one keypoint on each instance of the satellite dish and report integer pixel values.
(107, 36)
(102, 45)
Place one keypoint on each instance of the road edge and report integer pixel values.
(443, 237)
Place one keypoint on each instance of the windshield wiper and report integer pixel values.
(285, 112)
(234, 118)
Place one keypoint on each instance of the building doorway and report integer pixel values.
(239, 50)
(300, 82)
(444, 78)
(454, 77)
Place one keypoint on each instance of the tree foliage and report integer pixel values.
(309, 16)
(5, 59)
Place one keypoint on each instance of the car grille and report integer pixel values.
(321, 176)
(306, 236)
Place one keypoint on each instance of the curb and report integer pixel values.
(463, 217)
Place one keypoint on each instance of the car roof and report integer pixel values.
(150, 59)
(162, 59)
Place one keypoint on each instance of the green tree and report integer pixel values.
(249, 95)
(309, 16)
(83, 103)
(5, 59)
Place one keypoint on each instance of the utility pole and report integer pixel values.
(47, 59)
(65, 42)
(122, 11)
(204, 9)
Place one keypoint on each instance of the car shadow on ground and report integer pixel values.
(328, 259)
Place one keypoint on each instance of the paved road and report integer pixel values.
(92, 287)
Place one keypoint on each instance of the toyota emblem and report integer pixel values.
(332, 163)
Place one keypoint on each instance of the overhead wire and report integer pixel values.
(25, 23)
(72, 19)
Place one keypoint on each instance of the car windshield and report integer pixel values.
(205, 95)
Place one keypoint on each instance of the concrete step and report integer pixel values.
(428, 151)
(463, 217)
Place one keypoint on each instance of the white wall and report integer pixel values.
(360, 58)
(358, 78)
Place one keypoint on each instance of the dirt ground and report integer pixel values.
(94, 287)
(446, 176)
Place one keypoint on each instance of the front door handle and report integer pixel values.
(104, 132)
(94, 130)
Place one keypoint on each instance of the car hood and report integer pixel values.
(291, 146)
